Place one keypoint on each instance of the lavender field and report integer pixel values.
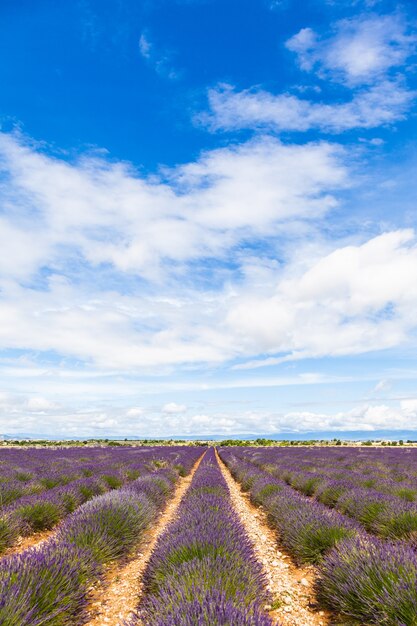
(190, 536)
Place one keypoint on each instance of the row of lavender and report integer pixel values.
(30, 471)
(376, 487)
(39, 488)
(368, 579)
(25, 472)
(203, 571)
(50, 585)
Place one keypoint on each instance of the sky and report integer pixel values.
(207, 217)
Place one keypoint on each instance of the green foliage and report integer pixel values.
(24, 477)
(399, 525)
(7, 534)
(196, 551)
(313, 543)
(49, 483)
(40, 516)
(109, 530)
(112, 481)
(181, 470)
(406, 493)
(132, 474)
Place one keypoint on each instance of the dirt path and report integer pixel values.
(117, 596)
(291, 587)
(36, 540)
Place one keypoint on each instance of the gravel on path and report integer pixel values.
(36, 540)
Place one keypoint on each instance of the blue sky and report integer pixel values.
(207, 216)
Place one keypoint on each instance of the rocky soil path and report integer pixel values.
(36, 540)
(115, 598)
(291, 587)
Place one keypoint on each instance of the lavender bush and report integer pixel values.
(371, 581)
(109, 525)
(210, 608)
(46, 587)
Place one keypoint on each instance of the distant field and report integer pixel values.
(187, 535)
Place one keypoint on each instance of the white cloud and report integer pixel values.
(379, 105)
(37, 403)
(103, 422)
(303, 43)
(15, 417)
(173, 407)
(356, 299)
(145, 46)
(56, 214)
(135, 412)
(366, 418)
(18, 406)
(366, 54)
(108, 214)
(382, 385)
(360, 50)
(161, 62)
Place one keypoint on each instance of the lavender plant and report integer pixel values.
(109, 525)
(371, 581)
(45, 587)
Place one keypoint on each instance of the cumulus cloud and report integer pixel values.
(108, 214)
(361, 50)
(58, 214)
(366, 417)
(354, 300)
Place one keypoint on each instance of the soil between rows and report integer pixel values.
(36, 540)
